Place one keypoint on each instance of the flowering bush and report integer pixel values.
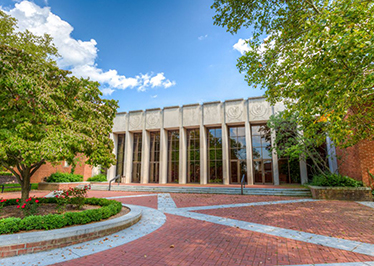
(2, 203)
(29, 207)
(74, 196)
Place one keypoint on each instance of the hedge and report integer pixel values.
(335, 180)
(55, 221)
(64, 178)
(98, 178)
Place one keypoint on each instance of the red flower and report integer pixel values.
(18, 207)
(36, 201)
(17, 200)
(23, 206)
(27, 200)
(56, 196)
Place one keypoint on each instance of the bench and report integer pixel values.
(3, 187)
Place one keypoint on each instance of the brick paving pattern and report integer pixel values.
(191, 200)
(341, 219)
(203, 243)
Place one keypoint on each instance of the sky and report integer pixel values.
(145, 54)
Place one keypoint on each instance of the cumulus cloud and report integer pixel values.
(76, 55)
(241, 46)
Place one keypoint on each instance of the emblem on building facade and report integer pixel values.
(258, 110)
(234, 112)
(152, 120)
(135, 120)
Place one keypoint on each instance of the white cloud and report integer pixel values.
(154, 96)
(77, 55)
(202, 37)
(241, 46)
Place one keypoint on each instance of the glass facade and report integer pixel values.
(262, 154)
(238, 154)
(193, 156)
(215, 173)
(120, 154)
(173, 156)
(137, 158)
(154, 164)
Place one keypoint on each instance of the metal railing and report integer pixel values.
(242, 184)
(118, 177)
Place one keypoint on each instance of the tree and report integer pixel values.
(45, 113)
(291, 143)
(316, 56)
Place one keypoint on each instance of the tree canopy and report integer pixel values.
(316, 56)
(46, 114)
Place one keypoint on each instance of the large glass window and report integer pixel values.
(238, 154)
(261, 152)
(173, 156)
(137, 158)
(215, 155)
(154, 163)
(193, 151)
(120, 154)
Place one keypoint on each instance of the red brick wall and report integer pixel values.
(355, 161)
(48, 169)
(349, 162)
(366, 150)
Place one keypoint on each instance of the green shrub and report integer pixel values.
(335, 180)
(98, 178)
(54, 221)
(64, 178)
(5, 173)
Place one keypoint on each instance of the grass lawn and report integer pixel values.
(33, 187)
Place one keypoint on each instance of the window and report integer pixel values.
(120, 154)
(215, 173)
(173, 156)
(137, 158)
(193, 158)
(154, 164)
(262, 154)
(238, 154)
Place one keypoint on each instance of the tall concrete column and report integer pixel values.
(248, 141)
(146, 139)
(203, 155)
(225, 148)
(331, 155)
(303, 171)
(163, 156)
(111, 173)
(129, 153)
(275, 160)
(182, 156)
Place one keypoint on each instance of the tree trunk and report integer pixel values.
(25, 185)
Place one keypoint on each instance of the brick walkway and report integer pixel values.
(203, 240)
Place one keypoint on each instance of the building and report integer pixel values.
(213, 142)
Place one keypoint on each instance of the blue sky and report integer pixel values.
(146, 54)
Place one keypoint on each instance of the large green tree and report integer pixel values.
(315, 55)
(46, 114)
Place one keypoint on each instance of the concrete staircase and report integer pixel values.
(296, 192)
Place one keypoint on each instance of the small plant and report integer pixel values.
(29, 207)
(61, 201)
(2, 203)
(64, 178)
(98, 178)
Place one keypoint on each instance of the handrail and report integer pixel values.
(242, 183)
(110, 182)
